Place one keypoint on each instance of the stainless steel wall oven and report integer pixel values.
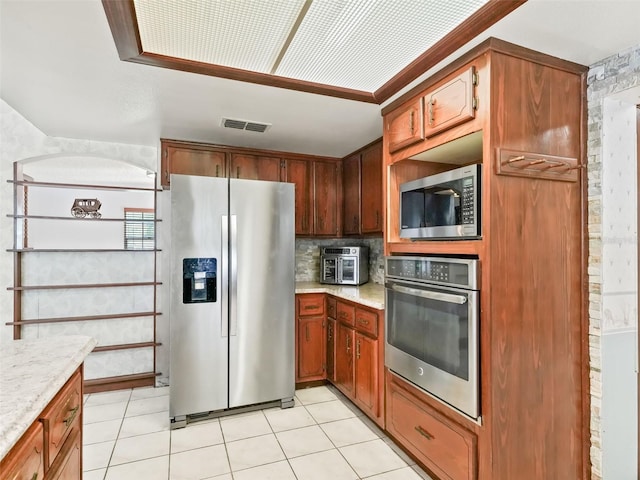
(432, 326)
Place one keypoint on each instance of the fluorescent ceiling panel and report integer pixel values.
(356, 44)
(361, 44)
(244, 34)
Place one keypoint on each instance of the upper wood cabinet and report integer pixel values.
(450, 104)
(190, 159)
(362, 191)
(371, 188)
(351, 195)
(326, 201)
(299, 173)
(404, 126)
(255, 167)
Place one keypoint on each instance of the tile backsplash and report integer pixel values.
(308, 257)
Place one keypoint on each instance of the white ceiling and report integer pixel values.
(59, 68)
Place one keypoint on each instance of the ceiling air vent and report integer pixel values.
(245, 125)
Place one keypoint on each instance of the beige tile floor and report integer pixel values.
(324, 437)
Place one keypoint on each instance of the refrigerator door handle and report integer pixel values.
(224, 268)
(233, 287)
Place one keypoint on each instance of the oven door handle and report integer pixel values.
(445, 297)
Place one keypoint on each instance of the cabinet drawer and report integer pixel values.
(367, 321)
(346, 313)
(25, 461)
(331, 307)
(62, 414)
(311, 304)
(445, 448)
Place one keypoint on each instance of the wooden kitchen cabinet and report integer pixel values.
(190, 159)
(310, 337)
(371, 203)
(332, 325)
(359, 357)
(362, 191)
(450, 104)
(447, 449)
(299, 173)
(527, 133)
(52, 446)
(26, 460)
(255, 167)
(326, 201)
(404, 126)
(345, 340)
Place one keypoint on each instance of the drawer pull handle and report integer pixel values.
(35, 476)
(423, 432)
(72, 415)
(358, 349)
(310, 307)
(344, 315)
(348, 346)
(363, 321)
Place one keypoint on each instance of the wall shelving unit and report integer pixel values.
(22, 285)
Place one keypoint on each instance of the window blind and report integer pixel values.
(139, 229)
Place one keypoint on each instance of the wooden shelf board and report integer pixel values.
(81, 186)
(125, 346)
(89, 219)
(84, 318)
(79, 250)
(457, 247)
(83, 285)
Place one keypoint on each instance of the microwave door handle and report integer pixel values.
(445, 297)
(338, 269)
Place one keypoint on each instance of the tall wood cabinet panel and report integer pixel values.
(310, 338)
(362, 191)
(371, 178)
(299, 173)
(326, 200)
(351, 195)
(533, 344)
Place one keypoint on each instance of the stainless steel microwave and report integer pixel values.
(445, 205)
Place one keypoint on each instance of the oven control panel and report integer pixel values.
(460, 272)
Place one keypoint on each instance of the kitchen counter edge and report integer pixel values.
(369, 294)
(31, 373)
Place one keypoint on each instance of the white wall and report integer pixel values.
(619, 415)
(22, 142)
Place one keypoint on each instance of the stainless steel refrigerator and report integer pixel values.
(232, 295)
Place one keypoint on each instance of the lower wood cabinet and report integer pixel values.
(52, 446)
(345, 347)
(445, 448)
(310, 338)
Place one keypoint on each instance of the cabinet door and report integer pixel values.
(366, 374)
(70, 466)
(25, 460)
(331, 349)
(371, 203)
(299, 173)
(255, 167)
(351, 195)
(404, 126)
(191, 161)
(311, 348)
(325, 202)
(450, 104)
(344, 368)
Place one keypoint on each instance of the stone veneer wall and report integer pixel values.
(308, 257)
(612, 245)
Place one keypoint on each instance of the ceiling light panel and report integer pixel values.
(361, 44)
(244, 34)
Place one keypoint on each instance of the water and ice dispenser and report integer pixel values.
(199, 280)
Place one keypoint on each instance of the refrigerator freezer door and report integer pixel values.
(261, 332)
(199, 345)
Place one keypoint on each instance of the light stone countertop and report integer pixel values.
(370, 294)
(31, 373)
